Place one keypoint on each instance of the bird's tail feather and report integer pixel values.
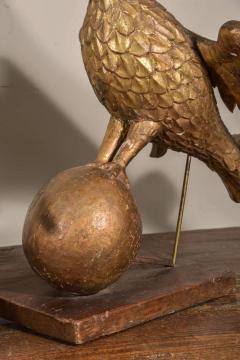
(231, 179)
(237, 139)
(232, 185)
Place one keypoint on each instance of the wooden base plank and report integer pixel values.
(147, 291)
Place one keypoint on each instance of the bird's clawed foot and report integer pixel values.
(123, 142)
(139, 135)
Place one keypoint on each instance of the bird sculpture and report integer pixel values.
(155, 78)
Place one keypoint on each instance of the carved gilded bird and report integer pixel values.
(155, 78)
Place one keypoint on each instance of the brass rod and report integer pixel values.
(181, 209)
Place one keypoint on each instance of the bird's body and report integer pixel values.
(146, 69)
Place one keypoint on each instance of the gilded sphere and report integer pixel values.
(83, 229)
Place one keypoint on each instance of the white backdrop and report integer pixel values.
(50, 119)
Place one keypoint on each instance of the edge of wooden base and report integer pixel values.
(219, 284)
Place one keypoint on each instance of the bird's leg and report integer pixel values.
(113, 138)
(140, 134)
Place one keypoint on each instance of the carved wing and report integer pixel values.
(223, 62)
(139, 61)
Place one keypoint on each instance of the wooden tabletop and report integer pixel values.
(207, 332)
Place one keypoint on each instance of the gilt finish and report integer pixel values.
(83, 229)
(155, 78)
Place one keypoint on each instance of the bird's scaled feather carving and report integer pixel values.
(153, 77)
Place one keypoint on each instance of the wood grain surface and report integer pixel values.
(207, 332)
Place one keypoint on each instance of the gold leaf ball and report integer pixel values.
(83, 229)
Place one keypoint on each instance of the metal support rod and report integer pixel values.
(181, 209)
